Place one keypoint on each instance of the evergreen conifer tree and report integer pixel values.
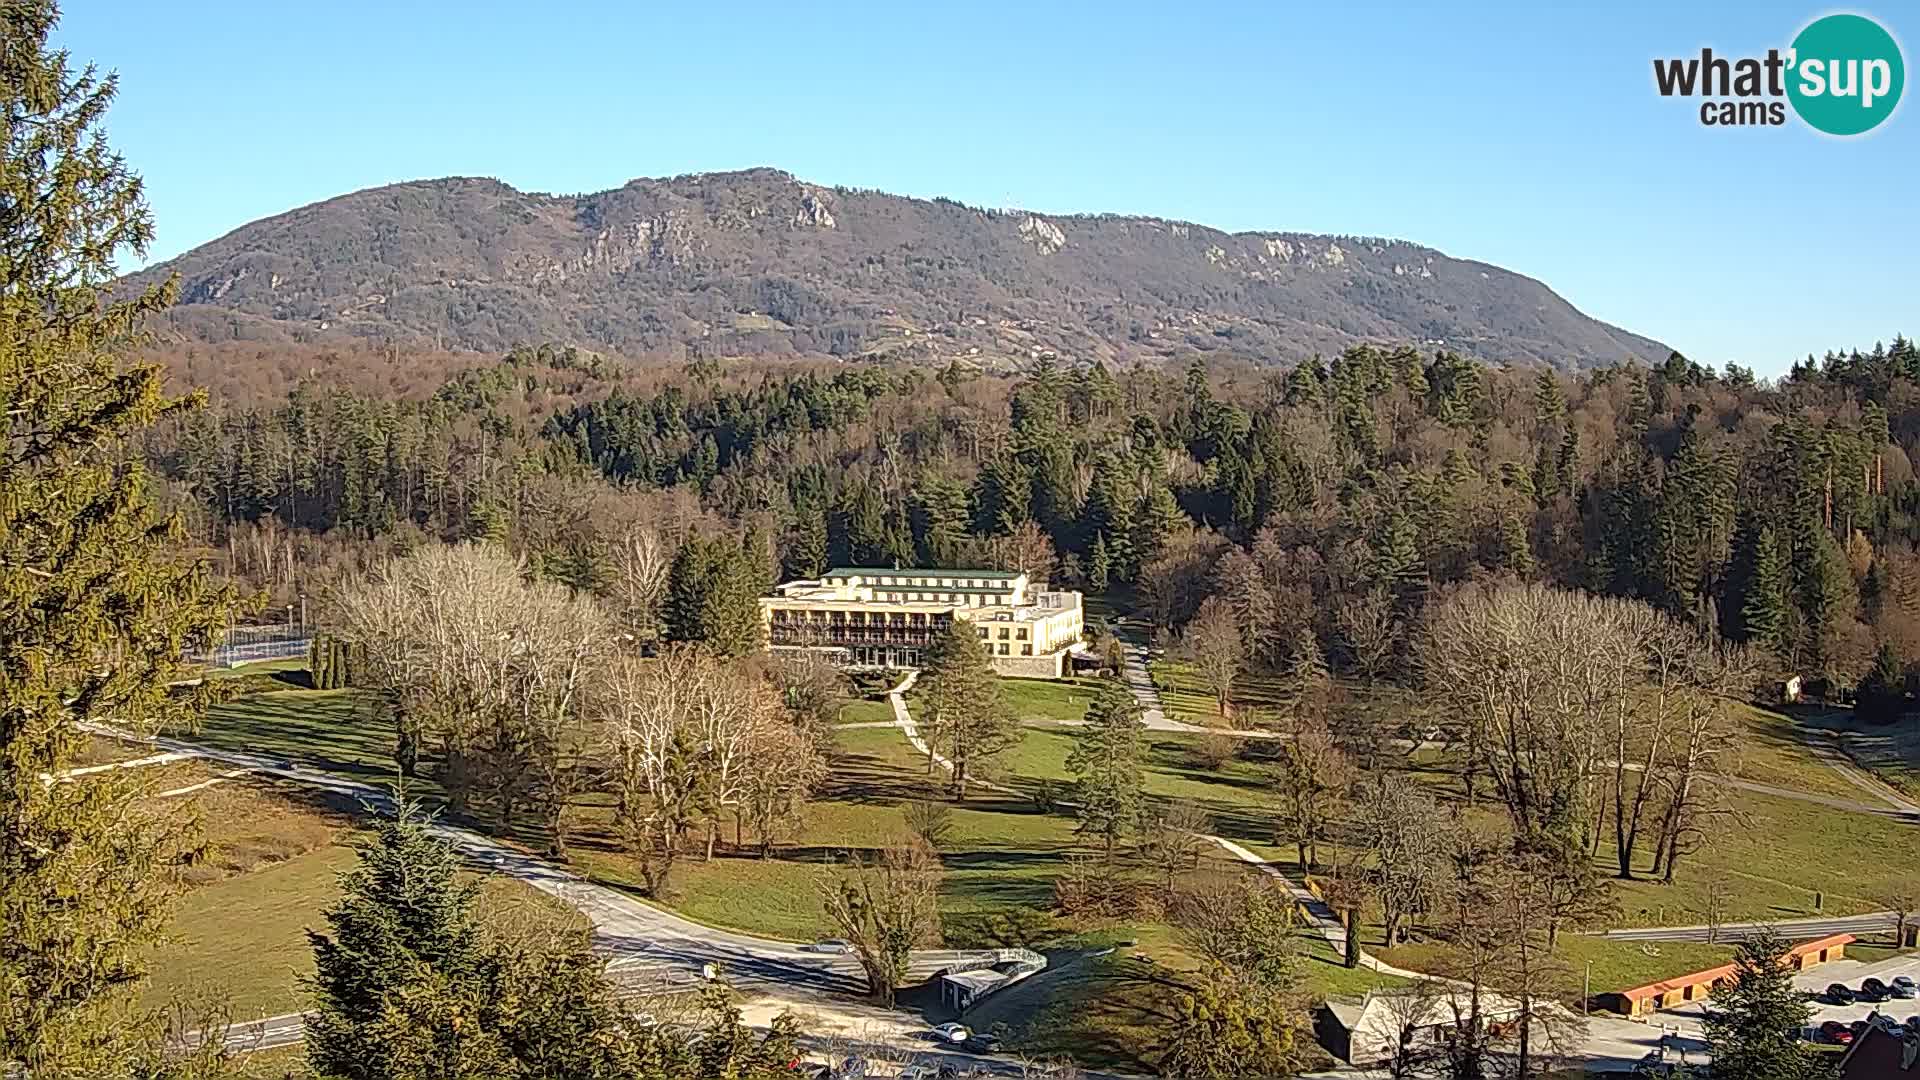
(1108, 784)
(1753, 1029)
(96, 610)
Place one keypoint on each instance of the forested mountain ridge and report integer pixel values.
(758, 263)
(1782, 513)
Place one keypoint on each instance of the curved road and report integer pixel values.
(644, 942)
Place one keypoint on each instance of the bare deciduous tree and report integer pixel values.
(1410, 837)
(691, 736)
(641, 558)
(1313, 776)
(1212, 644)
(493, 665)
(928, 819)
(1242, 921)
(885, 908)
(1027, 550)
(1369, 629)
(1527, 669)
(1170, 840)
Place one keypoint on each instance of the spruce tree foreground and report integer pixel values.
(410, 982)
(96, 608)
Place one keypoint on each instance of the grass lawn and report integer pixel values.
(1773, 752)
(1238, 795)
(244, 937)
(863, 711)
(1041, 701)
(1617, 965)
(335, 731)
(1115, 1011)
(259, 667)
(1775, 860)
(1001, 855)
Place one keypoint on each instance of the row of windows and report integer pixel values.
(931, 582)
(1025, 650)
(862, 618)
(943, 598)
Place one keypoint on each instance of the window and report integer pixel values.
(1003, 648)
(1026, 650)
(983, 633)
(1003, 633)
(1021, 633)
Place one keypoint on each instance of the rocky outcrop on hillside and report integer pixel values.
(759, 263)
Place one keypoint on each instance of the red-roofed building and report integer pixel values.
(1667, 993)
(1876, 1055)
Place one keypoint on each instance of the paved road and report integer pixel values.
(1140, 681)
(1798, 929)
(647, 940)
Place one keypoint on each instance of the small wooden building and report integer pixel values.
(1668, 993)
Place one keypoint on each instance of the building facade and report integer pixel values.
(880, 618)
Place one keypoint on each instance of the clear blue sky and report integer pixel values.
(1523, 134)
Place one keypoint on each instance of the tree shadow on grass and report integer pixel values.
(1106, 1011)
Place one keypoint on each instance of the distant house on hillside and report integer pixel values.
(1790, 691)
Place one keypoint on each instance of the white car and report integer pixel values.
(952, 1033)
(833, 945)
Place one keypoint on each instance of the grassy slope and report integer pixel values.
(1889, 751)
(864, 711)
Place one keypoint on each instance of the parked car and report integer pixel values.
(951, 1033)
(1839, 994)
(1836, 1032)
(981, 1042)
(1888, 1024)
(1902, 987)
(833, 945)
(1872, 990)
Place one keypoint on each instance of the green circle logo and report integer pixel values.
(1847, 74)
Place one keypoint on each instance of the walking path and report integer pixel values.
(1138, 679)
(653, 941)
(1837, 760)
(1319, 915)
(90, 770)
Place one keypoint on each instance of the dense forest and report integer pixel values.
(1777, 512)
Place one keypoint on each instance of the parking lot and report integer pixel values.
(1816, 980)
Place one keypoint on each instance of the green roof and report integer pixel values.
(879, 571)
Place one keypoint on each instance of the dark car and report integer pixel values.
(1836, 1032)
(981, 1042)
(1913, 1024)
(1902, 987)
(1872, 990)
(1838, 994)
